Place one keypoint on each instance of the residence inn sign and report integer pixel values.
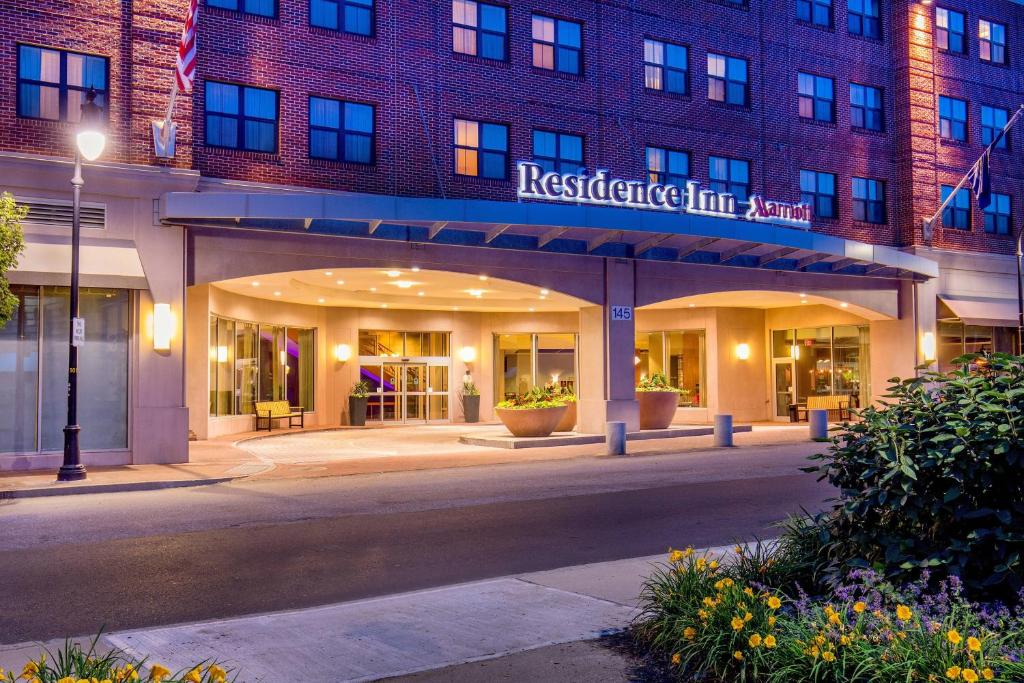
(602, 189)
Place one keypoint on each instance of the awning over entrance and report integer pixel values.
(101, 265)
(554, 228)
(982, 311)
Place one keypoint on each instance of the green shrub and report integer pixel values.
(537, 397)
(656, 382)
(933, 479)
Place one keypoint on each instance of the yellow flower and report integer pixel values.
(774, 603)
(738, 549)
(30, 669)
(703, 614)
(755, 640)
(953, 672)
(701, 564)
(834, 619)
(769, 641)
(748, 616)
(676, 556)
(859, 606)
(973, 644)
(689, 633)
(970, 675)
(820, 640)
(194, 676)
(749, 591)
(903, 613)
(987, 674)
(738, 656)
(814, 652)
(828, 656)
(158, 673)
(771, 621)
(713, 564)
(66, 679)
(953, 636)
(737, 624)
(709, 602)
(676, 659)
(844, 640)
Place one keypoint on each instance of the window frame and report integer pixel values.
(812, 5)
(880, 109)
(341, 130)
(239, 8)
(996, 215)
(340, 6)
(727, 81)
(1005, 144)
(479, 31)
(814, 97)
(62, 86)
(965, 122)
(816, 194)
(863, 18)
(959, 212)
(555, 45)
(665, 176)
(990, 42)
(665, 68)
(558, 159)
(949, 33)
(241, 118)
(479, 149)
(867, 202)
(729, 182)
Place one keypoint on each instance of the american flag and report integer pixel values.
(185, 67)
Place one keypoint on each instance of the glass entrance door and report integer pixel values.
(785, 390)
(402, 391)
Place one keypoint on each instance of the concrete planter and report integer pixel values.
(657, 408)
(357, 410)
(568, 421)
(531, 421)
(471, 408)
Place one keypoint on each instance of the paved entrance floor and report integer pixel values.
(344, 451)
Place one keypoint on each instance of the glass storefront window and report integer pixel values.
(407, 374)
(956, 339)
(818, 361)
(246, 368)
(679, 355)
(19, 373)
(556, 360)
(524, 361)
(513, 361)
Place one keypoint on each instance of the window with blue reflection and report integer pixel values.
(340, 131)
(348, 16)
(260, 8)
(52, 84)
(241, 117)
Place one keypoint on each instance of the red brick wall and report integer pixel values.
(409, 72)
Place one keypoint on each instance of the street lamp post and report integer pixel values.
(1020, 295)
(89, 145)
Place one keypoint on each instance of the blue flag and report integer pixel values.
(980, 179)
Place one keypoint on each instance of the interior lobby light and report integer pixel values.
(222, 354)
(342, 352)
(467, 354)
(928, 347)
(743, 351)
(163, 327)
(794, 352)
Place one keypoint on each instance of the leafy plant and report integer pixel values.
(12, 243)
(360, 389)
(656, 382)
(932, 480)
(537, 397)
(469, 389)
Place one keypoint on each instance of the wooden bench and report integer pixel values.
(837, 405)
(268, 411)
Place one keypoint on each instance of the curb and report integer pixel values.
(111, 488)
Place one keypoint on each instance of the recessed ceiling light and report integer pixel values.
(475, 292)
(328, 273)
(844, 305)
(403, 284)
(532, 309)
(339, 282)
(415, 269)
(543, 297)
(419, 293)
(483, 278)
(455, 308)
(320, 300)
(803, 294)
(383, 305)
(392, 273)
(692, 305)
(277, 293)
(544, 292)
(803, 301)
(373, 289)
(255, 283)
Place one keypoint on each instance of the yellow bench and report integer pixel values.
(268, 411)
(837, 405)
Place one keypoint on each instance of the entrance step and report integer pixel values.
(500, 438)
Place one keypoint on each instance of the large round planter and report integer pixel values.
(357, 410)
(531, 421)
(657, 408)
(568, 421)
(471, 408)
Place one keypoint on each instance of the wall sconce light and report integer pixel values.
(222, 354)
(163, 327)
(342, 352)
(467, 354)
(928, 347)
(743, 351)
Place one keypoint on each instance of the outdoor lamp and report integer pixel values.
(928, 347)
(342, 352)
(467, 354)
(743, 351)
(163, 328)
(91, 138)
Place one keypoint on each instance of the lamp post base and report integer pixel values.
(72, 469)
(71, 473)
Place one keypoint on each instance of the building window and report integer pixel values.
(524, 361)
(993, 120)
(666, 67)
(340, 131)
(868, 200)
(731, 176)
(819, 361)
(402, 391)
(727, 79)
(479, 29)
(816, 97)
(863, 18)
(558, 152)
(865, 107)
(817, 12)
(667, 166)
(34, 370)
(991, 42)
(52, 84)
(679, 355)
(819, 190)
(241, 117)
(557, 44)
(957, 338)
(260, 8)
(252, 362)
(949, 30)
(348, 16)
(952, 119)
(958, 213)
(481, 149)
(998, 214)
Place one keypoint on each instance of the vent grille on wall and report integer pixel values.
(58, 213)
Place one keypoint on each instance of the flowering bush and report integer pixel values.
(72, 664)
(711, 624)
(537, 397)
(656, 382)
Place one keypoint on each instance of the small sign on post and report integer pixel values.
(622, 313)
(78, 332)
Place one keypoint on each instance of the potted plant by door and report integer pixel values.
(568, 421)
(357, 400)
(658, 401)
(470, 401)
(535, 413)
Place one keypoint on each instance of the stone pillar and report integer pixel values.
(607, 389)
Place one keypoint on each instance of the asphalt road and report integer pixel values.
(70, 566)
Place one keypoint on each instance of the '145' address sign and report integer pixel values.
(622, 312)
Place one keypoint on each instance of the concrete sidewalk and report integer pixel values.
(402, 634)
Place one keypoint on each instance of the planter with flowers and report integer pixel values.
(535, 413)
(658, 401)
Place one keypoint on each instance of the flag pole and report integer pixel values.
(929, 223)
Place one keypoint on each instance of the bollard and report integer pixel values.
(615, 437)
(723, 430)
(817, 420)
